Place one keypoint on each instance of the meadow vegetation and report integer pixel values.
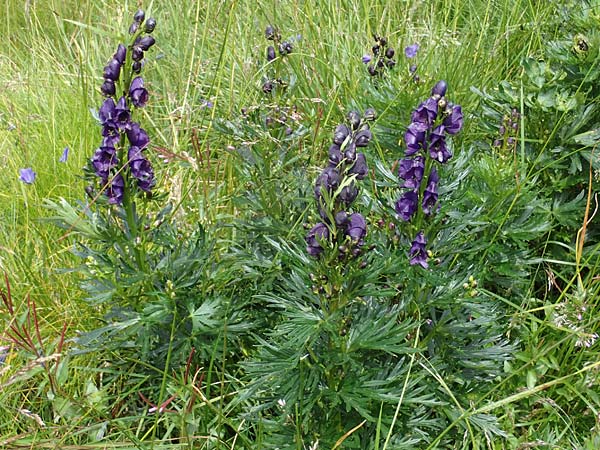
(306, 225)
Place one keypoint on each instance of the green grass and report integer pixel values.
(50, 69)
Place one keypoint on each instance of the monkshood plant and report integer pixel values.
(339, 354)
(145, 271)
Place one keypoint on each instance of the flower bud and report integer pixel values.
(390, 53)
(150, 25)
(108, 87)
(270, 33)
(372, 71)
(139, 16)
(340, 134)
(112, 70)
(133, 27)
(440, 88)
(354, 119)
(370, 114)
(362, 138)
(270, 53)
(267, 87)
(137, 54)
(136, 67)
(120, 54)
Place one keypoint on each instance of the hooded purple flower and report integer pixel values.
(329, 179)
(112, 70)
(340, 134)
(104, 160)
(27, 175)
(356, 227)
(360, 167)
(137, 136)
(418, 254)
(141, 169)
(414, 137)
(426, 113)
(438, 149)
(120, 54)
(137, 93)
(107, 113)
(430, 196)
(115, 190)
(315, 236)
(363, 138)
(407, 205)
(439, 89)
(348, 194)
(335, 155)
(411, 50)
(411, 171)
(122, 114)
(454, 121)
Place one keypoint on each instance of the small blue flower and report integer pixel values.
(27, 175)
(411, 50)
(366, 59)
(65, 155)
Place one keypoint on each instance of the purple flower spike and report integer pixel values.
(356, 227)
(418, 254)
(27, 175)
(430, 196)
(411, 51)
(438, 149)
(406, 206)
(411, 171)
(65, 155)
(366, 59)
(137, 93)
(415, 138)
(315, 236)
(454, 121)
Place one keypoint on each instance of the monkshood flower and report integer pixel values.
(418, 254)
(407, 205)
(27, 175)
(411, 171)
(430, 195)
(336, 189)
(120, 166)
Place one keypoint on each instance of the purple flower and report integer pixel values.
(348, 194)
(141, 169)
(270, 53)
(454, 121)
(356, 227)
(112, 70)
(137, 136)
(27, 175)
(360, 167)
(108, 87)
(122, 114)
(426, 113)
(411, 171)
(340, 134)
(366, 59)
(362, 138)
(438, 149)
(418, 254)
(115, 190)
(206, 104)
(65, 155)
(415, 138)
(315, 236)
(137, 92)
(335, 155)
(406, 206)
(329, 179)
(104, 160)
(120, 54)
(107, 113)
(411, 50)
(430, 196)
